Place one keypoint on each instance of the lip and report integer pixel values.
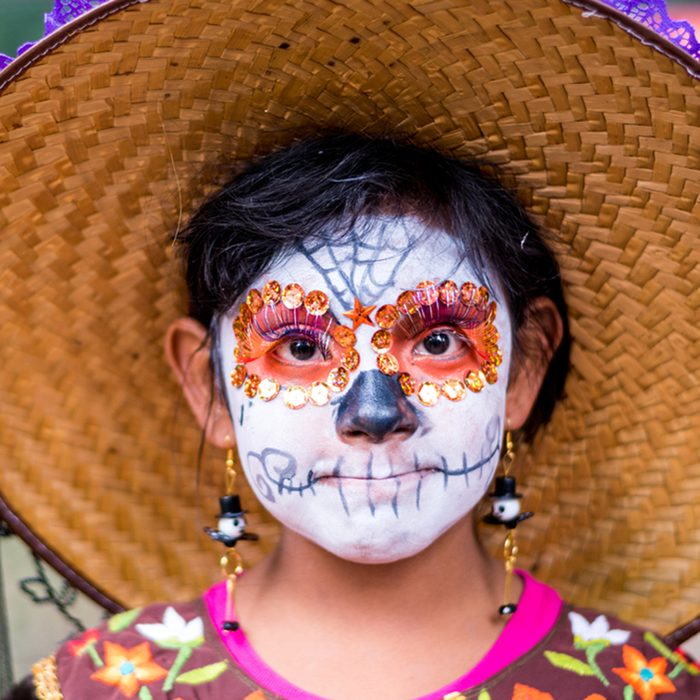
(422, 471)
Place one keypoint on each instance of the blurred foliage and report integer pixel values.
(20, 21)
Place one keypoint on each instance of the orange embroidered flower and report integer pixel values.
(128, 668)
(257, 695)
(525, 692)
(78, 646)
(594, 696)
(647, 677)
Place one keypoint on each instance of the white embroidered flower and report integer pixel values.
(598, 630)
(174, 632)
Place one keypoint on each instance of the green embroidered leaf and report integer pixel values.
(569, 663)
(122, 620)
(667, 653)
(204, 674)
(628, 693)
(484, 695)
(145, 693)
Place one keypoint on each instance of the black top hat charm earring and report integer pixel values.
(231, 529)
(506, 511)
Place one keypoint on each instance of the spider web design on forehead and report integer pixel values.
(354, 267)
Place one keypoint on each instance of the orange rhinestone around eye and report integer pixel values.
(475, 381)
(319, 393)
(406, 303)
(344, 336)
(426, 292)
(350, 359)
(453, 389)
(295, 397)
(244, 314)
(387, 364)
(448, 292)
(467, 292)
(239, 330)
(386, 316)
(238, 376)
(293, 296)
(317, 302)
(496, 357)
(428, 393)
(482, 295)
(250, 386)
(381, 341)
(272, 292)
(268, 389)
(490, 372)
(254, 300)
(407, 383)
(338, 378)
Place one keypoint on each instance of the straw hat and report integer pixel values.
(112, 129)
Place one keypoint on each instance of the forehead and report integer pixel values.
(378, 257)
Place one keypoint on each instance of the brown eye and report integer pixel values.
(302, 349)
(437, 343)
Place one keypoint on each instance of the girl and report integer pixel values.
(368, 322)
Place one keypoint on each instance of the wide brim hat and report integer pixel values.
(113, 128)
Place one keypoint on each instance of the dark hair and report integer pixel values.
(297, 193)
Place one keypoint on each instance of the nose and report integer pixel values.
(375, 409)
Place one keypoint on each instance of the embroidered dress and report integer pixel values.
(547, 651)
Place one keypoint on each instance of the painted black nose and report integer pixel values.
(375, 409)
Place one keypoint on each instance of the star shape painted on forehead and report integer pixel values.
(360, 314)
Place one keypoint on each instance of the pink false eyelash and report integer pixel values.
(464, 316)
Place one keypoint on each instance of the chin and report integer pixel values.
(377, 550)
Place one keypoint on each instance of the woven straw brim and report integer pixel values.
(111, 137)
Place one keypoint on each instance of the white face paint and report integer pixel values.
(363, 495)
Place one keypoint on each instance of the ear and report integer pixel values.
(187, 350)
(540, 336)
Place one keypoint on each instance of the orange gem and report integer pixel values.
(295, 397)
(268, 389)
(407, 303)
(381, 341)
(475, 381)
(448, 292)
(238, 376)
(408, 383)
(467, 292)
(388, 364)
(482, 295)
(453, 389)
(244, 314)
(338, 378)
(426, 292)
(250, 386)
(386, 316)
(428, 393)
(317, 302)
(293, 296)
(272, 292)
(239, 330)
(344, 336)
(490, 372)
(254, 300)
(360, 314)
(496, 357)
(319, 393)
(492, 312)
(350, 359)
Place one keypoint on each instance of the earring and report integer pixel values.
(231, 529)
(505, 510)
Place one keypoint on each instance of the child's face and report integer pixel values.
(374, 475)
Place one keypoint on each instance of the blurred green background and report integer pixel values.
(23, 20)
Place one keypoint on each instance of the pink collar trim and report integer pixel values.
(538, 610)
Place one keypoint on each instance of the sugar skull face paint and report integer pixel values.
(382, 468)
(290, 340)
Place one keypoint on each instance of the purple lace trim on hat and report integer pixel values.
(653, 14)
(649, 13)
(63, 12)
